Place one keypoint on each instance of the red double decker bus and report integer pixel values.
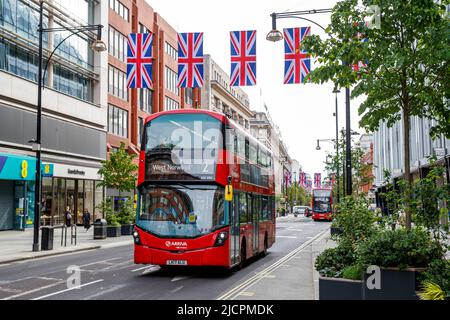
(321, 203)
(188, 161)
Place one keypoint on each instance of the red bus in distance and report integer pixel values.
(187, 160)
(321, 203)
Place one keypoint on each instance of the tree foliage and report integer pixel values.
(119, 171)
(407, 72)
(407, 59)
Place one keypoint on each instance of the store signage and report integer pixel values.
(76, 172)
(47, 170)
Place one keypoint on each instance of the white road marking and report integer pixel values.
(234, 292)
(65, 290)
(177, 289)
(102, 292)
(34, 290)
(107, 261)
(247, 294)
(144, 267)
(179, 278)
(151, 269)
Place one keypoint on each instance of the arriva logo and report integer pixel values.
(176, 244)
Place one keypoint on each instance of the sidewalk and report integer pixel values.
(293, 277)
(17, 245)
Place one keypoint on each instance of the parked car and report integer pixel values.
(300, 210)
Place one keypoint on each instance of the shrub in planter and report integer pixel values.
(398, 253)
(332, 261)
(400, 248)
(436, 278)
(353, 272)
(125, 216)
(355, 221)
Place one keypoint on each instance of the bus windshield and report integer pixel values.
(182, 147)
(181, 211)
(321, 205)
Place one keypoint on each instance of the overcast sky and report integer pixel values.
(304, 113)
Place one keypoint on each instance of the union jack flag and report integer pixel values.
(287, 178)
(190, 60)
(333, 179)
(297, 63)
(139, 60)
(317, 180)
(302, 179)
(361, 65)
(309, 185)
(243, 58)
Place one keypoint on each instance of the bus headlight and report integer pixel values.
(137, 240)
(221, 237)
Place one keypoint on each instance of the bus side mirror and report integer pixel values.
(229, 190)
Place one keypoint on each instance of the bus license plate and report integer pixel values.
(176, 262)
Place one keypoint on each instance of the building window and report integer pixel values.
(142, 28)
(188, 96)
(145, 100)
(171, 80)
(140, 128)
(171, 51)
(117, 44)
(117, 83)
(117, 121)
(120, 9)
(171, 104)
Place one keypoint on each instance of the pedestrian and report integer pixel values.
(86, 219)
(68, 217)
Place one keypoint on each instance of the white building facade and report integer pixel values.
(217, 95)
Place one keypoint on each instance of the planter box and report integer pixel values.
(112, 231)
(127, 229)
(395, 285)
(339, 289)
(335, 231)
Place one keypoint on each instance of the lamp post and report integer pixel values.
(295, 190)
(275, 35)
(98, 45)
(336, 91)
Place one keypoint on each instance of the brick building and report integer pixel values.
(128, 108)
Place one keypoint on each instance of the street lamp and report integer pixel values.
(275, 35)
(336, 91)
(98, 45)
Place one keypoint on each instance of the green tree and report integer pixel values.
(119, 171)
(407, 73)
(298, 195)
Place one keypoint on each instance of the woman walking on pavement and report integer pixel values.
(86, 219)
(68, 217)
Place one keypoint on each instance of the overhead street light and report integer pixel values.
(275, 35)
(98, 46)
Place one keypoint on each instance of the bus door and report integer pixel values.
(255, 221)
(233, 209)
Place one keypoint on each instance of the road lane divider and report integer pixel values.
(66, 290)
(234, 292)
(34, 290)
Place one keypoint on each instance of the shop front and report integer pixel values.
(74, 188)
(17, 175)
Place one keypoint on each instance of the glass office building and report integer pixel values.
(74, 108)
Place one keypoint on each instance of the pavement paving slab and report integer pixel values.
(17, 245)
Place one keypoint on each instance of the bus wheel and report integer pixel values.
(243, 255)
(264, 252)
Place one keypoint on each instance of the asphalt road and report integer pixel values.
(111, 274)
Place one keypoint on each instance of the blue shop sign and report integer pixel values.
(16, 167)
(47, 169)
